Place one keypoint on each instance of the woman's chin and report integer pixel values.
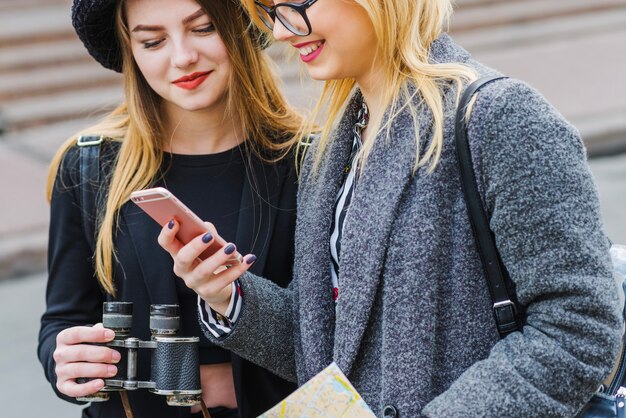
(320, 75)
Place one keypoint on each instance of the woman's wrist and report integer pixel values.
(220, 307)
(221, 304)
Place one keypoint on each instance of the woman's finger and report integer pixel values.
(211, 228)
(78, 335)
(86, 353)
(214, 264)
(72, 389)
(212, 291)
(187, 257)
(72, 371)
(167, 238)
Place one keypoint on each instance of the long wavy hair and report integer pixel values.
(270, 125)
(405, 30)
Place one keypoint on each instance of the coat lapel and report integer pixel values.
(314, 294)
(367, 231)
(155, 263)
(257, 212)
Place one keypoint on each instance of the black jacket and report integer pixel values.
(143, 275)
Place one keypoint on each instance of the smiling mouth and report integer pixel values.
(191, 81)
(308, 48)
(191, 77)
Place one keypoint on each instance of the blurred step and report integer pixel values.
(64, 77)
(475, 3)
(572, 74)
(502, 13)
(551, 30)
(40, 143)
(56, 132)
(604, 133)
(32, 112)
(45, 23)
(25, 4)
(39, 55)
(580, 78)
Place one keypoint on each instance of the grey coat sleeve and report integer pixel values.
(546, 219)
(263, 333)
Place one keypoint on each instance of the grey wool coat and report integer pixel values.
(413, 326)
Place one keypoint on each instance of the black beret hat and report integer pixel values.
(94, 22)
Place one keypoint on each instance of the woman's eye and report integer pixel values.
(152, 44)
(205, 29)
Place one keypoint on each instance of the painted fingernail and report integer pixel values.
(230, 248)
(116, 356)
(108, 334)
(250, 259)
(170, 224)
(111, 370)
(207, 237)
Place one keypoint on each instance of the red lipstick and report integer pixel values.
(191, 81)
(305, 44)
(310, 57)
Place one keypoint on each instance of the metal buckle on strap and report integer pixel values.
(87, 140)
(503, 304)
(505, 311)
(505, 314)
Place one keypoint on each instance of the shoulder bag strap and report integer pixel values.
(504, 310)
(89, 182)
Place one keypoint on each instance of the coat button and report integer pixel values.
(390, 411)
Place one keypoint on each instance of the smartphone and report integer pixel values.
(163, 206)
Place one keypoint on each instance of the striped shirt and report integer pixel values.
(221, 325)
(344, 198)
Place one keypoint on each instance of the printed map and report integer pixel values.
(327, 395)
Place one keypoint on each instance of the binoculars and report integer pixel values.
(174, 367)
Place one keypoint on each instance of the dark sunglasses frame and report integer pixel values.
(298, 7)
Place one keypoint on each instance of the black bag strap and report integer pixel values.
(89, 182)
(504, 309)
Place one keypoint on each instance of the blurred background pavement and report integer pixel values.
(570, 50)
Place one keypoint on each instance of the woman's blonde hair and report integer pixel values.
(405, 30)
(253, 98)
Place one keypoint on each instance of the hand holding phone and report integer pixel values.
(162, 206)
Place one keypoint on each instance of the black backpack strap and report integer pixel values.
(504, 309)
(89, 182)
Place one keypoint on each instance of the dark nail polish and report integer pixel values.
(250, 259)
(170, 224)
(230, 248)
(207, 237)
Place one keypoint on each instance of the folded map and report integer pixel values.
(327, 395)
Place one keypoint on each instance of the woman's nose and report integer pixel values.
(184, 55)
(281, 33)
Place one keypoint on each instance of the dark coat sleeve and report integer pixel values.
(73, 296)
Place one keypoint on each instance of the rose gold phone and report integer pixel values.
(162, 206)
